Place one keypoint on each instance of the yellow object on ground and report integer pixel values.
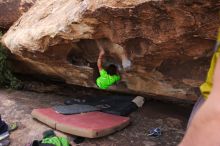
(206, 87)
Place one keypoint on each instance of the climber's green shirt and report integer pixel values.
(57, 141)
(105, 80)
(206, 87)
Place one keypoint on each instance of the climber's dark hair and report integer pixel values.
(111, 69)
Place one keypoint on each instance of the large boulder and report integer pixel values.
(11, 10)
(169, 43)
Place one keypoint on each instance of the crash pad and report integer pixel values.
(90, 125)
(113, 104)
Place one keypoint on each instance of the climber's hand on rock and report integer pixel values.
(102, 52)
(126, 64)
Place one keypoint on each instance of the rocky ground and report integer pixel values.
(16, 106)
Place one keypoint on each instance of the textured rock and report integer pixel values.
(11, 10)
(169, 43)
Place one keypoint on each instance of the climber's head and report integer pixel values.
(111, 69)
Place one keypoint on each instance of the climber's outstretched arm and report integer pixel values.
(100, 58)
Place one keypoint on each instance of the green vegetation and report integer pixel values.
(7, 79)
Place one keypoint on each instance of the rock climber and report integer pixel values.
(108, 76)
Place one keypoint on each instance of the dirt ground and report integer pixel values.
(16, 106)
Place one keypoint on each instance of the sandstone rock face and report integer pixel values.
(11, 10)
(169, 43)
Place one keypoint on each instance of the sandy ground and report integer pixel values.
(16, 106)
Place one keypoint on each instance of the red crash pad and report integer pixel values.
(91, 124)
